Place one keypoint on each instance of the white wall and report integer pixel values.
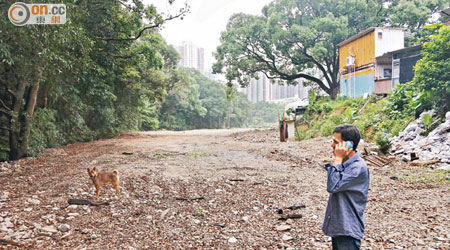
(393, 39)
(379, 70)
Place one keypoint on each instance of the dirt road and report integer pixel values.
(216, 189)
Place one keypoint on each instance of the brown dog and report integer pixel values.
(102, 178)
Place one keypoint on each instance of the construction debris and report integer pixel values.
(378, 160)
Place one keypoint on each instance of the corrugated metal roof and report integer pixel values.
(407, 48)
(390, 53)
(363, 33)
(446, 12)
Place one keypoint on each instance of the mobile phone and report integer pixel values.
(347, 143)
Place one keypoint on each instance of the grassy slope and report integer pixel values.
(324, 115)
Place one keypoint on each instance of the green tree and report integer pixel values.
(182, 106)
(432, 72)
(198, 102)
(241, 108)
(291, 38)
(414, 15)
(263, 113)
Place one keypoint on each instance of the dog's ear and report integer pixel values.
(94, 169)
(88, 170)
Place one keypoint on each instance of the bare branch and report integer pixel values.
(6, 112)
(320, 66)
(4, 105)
(12, 93)
(125, 5)
(272, 66)
(157, 25)
(129, 38)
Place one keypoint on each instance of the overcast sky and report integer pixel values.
(205, 22)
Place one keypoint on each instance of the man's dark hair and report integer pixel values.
(349, 132)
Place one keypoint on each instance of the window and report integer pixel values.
(387, 73)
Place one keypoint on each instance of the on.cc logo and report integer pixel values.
(19, 14)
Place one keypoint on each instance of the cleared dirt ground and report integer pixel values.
(208, 189)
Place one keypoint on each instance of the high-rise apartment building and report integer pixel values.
(264, 90)
(191, 56)
(201, 59)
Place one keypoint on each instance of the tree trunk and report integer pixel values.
(14, 122)
(335, 84)
(334, 91)
(20, 124)
(229, 117)
(28, 120)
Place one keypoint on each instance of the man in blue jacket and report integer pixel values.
(348, 185)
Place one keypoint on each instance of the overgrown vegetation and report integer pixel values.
(437, 177)
(263, 114)
(202, 103)
(323, 115)
(370, 116)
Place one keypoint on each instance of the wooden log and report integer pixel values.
(86, 202)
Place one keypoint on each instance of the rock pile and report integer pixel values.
(435, 146)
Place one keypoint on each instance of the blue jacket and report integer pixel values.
(348, 185)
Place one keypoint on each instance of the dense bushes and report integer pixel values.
(430, 88)
(370, 116)
(44, 132)
(432, 72)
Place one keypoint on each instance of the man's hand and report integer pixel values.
(341, 153)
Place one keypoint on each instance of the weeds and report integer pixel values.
(440, 177)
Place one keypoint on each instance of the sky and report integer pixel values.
(206, 20)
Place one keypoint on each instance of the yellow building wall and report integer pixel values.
(362, 48)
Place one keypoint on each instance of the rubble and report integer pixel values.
(283, 228)
(287, 237)
(49, 229)
(435, 146)
(232, 240)
(64, 228)
(444, 166)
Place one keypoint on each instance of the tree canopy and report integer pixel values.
(202, 103)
